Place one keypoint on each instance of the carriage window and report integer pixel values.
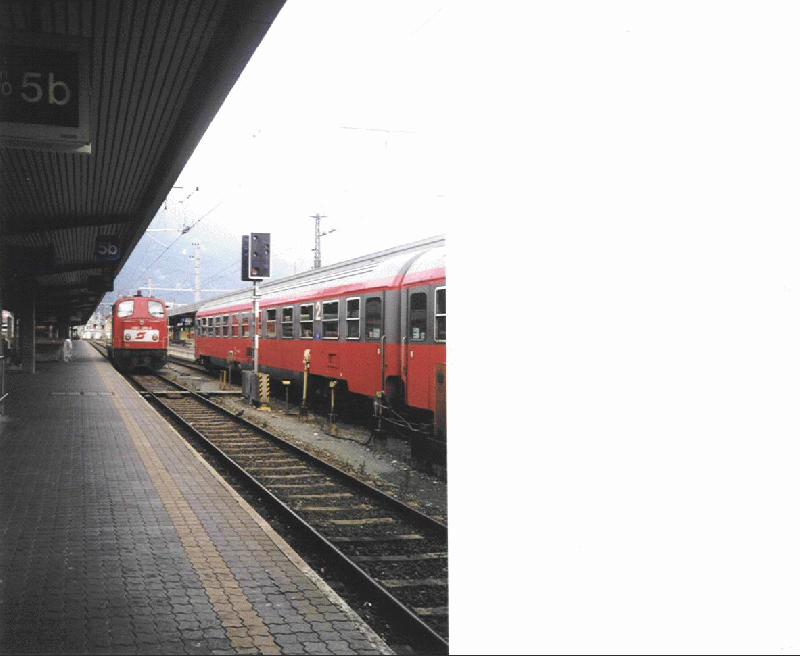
(272, 329)
(307, 321)
(418, 316)
(330, 320)
(225, 330)
(125, 309)
(245, 324)
(287, 324)
(155, 308)
(217, 326)
(374, 317)
(439, 328)
(353, 317)
(234, 325)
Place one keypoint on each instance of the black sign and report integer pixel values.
(39, 86)
(259, 255)
(44, 92)
(106, 249)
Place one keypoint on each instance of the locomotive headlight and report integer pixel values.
(155, 337)
(127, 338)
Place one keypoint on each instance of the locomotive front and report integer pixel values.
(139, 333)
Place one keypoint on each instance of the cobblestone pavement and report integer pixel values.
(115, 537)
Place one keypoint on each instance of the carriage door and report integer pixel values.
(417, 336)
(374, 333)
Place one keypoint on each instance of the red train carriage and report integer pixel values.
(139, 333)
(374, 324)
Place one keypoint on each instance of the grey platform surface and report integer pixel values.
(116, 537)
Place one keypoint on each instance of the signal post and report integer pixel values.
(255, 267)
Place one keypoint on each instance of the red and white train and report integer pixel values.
(374, 324)
(139, 333)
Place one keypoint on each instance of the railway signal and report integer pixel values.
(259, 255)
(255, 256)
(255, 267)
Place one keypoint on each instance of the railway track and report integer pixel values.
(396, 555)
(186, 363)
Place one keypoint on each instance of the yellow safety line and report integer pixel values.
(242, 624)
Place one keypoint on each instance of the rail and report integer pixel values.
(3, 393)
(381, 593)
(392, 555)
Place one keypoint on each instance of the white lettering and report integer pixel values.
(58, 84)
(27, 82)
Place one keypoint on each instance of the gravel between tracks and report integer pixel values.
(383, 463)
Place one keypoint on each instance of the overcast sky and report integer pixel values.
(340, 112)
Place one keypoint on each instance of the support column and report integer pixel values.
(27, 335)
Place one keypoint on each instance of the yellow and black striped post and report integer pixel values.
(263, 390)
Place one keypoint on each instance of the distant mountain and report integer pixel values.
(165, 260)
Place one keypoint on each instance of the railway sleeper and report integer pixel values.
(285, 477)
(439, 612)
(331, 508)
(413, 583)
(344, 539)
(248, 454)
(236, 442)
(283, 462)
(399, 558)
(300, 486)
(330, 495)
(272, 467)
(364, 521)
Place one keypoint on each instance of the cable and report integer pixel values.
(172, 243)
(423, 428)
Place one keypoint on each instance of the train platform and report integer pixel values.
(117, 537)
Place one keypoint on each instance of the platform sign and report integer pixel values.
(107, 249)
(44, 92)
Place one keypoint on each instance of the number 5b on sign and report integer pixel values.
(45, 91)
(106, 249)
(58, 92)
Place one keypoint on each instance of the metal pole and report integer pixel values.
(255, 326)
(196, 271)
(317, 249)
(306, 367)
(332, 385)
(286, 384)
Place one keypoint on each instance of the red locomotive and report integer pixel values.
(375, 324)
(139, 333)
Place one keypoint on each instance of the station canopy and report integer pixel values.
(102, 103)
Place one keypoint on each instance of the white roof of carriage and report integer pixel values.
(373, 270)
(428, 261)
